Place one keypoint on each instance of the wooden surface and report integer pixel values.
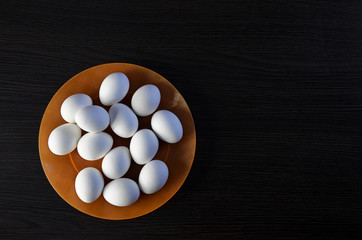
(275, 88)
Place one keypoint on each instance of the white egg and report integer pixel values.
(121, 192)
(113, 88)
(124, 122)
(143, 146)
(116, 162)
(92, 118)
(167, 126)
(153, 176)
(73, 104)
(63, 139)
(93, 146)
(146, 100)
(89, 184)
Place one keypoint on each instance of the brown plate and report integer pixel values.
(61, 171)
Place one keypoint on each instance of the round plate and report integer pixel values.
(61, 171)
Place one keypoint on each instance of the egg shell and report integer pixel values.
(146, 100)
(116, 162)
(93, 146)
(73, 104)
(143, 146)
(63, 139)
(121, 192)
(89, 184)
(123, 121)
(153, 176)
(167, 126)
(113, 88)
(92, 118)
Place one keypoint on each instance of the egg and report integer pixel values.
(143, 146)
(73, 104)
(121, 192)
(92, 118)
(123, 121)
(89, 184)
(167, 126)
(113, 88)
(116, 162)
(153, 176)
(93, 146)
(146, 100)
(63, 139)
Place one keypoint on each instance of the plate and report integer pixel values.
(61, 171)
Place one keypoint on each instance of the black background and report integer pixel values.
(275, 89)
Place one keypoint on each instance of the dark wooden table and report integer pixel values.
(275, 88)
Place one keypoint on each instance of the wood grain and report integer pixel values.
(274, 87)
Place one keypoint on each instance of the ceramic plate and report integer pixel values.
(61, 171)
